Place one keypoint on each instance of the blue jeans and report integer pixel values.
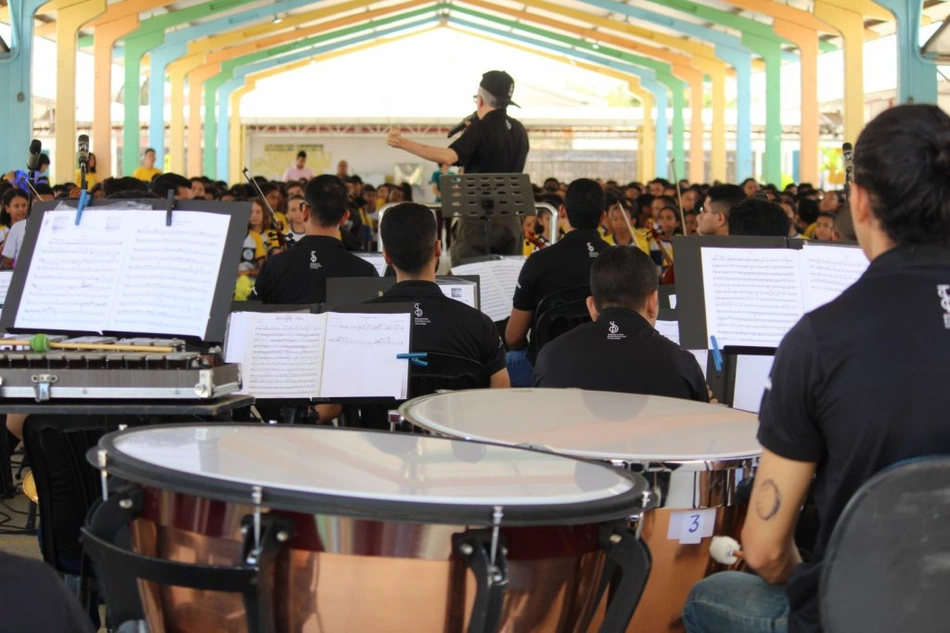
(736, 602)
(520, 369)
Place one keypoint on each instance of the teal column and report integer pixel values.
(772, 56)
(16, 88)
(136, 46)
(916, 75)
(161, 56)
(224, 132)
(211, 119)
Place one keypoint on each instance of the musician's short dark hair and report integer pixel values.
(163, 182)
(755, 216)
(725, 197)
(622, 277)
(326, 196)
(902, 159)
(844, 226)
(301, 154)
(409, 233)
(808, 210)
(585, 203)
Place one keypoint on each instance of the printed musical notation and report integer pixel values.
(124, 271)
(331, 355)
(498, 279)
(753, 295)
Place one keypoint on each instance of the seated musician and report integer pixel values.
(714, 217)
(621, 350)
(852, 390)
(299, 275)
(441, 324)
(563, 265)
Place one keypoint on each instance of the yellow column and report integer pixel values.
(196, 81)
(177, 71)
(70, 16)
(646, 150)
(844, 16)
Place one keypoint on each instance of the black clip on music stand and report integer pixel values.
(485, 196)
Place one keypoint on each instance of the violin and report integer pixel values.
(271, 215)
(669, 275)
(538, 242)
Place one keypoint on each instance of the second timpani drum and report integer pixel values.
(695, 455)
(377, 531)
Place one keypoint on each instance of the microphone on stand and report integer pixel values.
(848, 151)
(83, 155)
(33, 159)
(464, 123)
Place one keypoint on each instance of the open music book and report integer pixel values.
(497, 279)
(124, 270)
(319, 356)
(755, 295)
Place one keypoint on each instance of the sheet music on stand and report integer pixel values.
(125, 269)
(497, 278)
(283, 356)
(6, 276)
(752, 291)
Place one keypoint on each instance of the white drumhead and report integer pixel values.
(592, 424)
(369, 465)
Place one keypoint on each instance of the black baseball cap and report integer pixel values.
(500, 85)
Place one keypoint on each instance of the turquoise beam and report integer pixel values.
(151, 33)
(227, 69)
(916, 74)
(241, 73)
(16, 87)
(648, 79)
(175, 45)
(730, 49)
(759, 38)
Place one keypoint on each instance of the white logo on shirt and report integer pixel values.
(314, 264)
(943, 291)
(614, 332)
(590, 250)
(418, 311)
(419, 320)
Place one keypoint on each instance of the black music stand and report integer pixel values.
(484, 196)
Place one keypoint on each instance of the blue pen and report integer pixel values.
(717, 354)
(414, 357)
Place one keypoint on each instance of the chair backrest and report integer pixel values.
(446, 371)
(66, 483)
(886, 567)
(558, 313)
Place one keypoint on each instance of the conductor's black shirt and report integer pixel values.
(564, 265)
(620, 352)
(447, 326)
(300, 274)
(494, 144)
(858, 385)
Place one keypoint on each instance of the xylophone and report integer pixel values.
(45, 368)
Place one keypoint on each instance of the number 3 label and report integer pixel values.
(689, 528)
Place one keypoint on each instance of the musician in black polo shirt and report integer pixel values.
(564, 265)
(441, 324)
(492, 143)
(621, 350)
(857, 385)
(300, 274)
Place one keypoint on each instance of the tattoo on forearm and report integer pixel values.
(768, 500)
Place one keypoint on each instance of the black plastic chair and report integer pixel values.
(558, 313)
(442, 372)
(886, 568)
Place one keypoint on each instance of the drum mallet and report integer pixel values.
(724, 550)
(41, 344)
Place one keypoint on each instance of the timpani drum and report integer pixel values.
(695, 455)
(376, 531)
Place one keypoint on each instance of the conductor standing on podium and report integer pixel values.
(492, 143)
